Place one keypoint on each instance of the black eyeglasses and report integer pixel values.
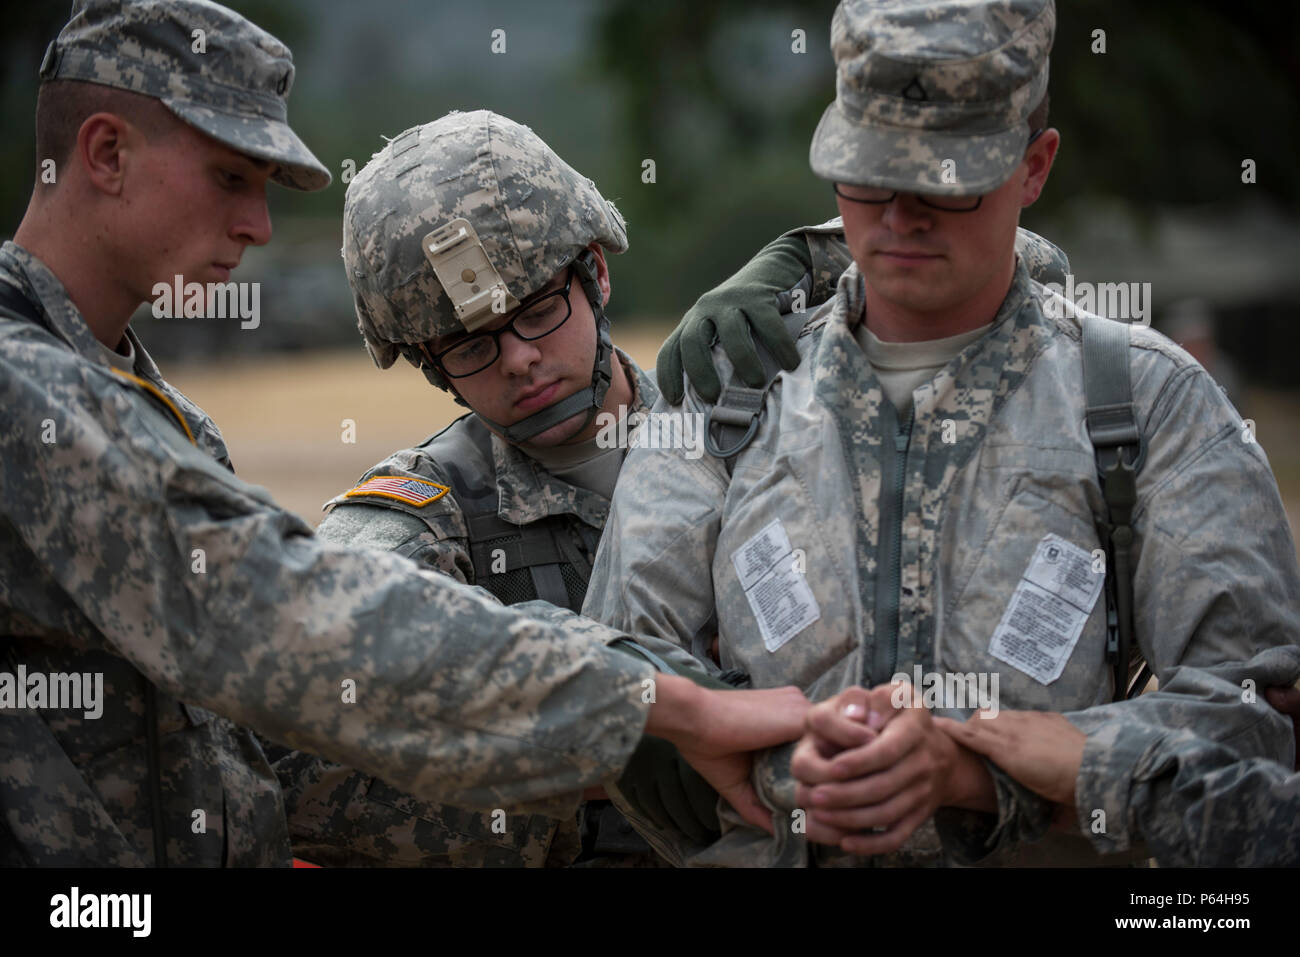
(879, 195)
(532, 320)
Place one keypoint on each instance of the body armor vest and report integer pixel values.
(548, 559)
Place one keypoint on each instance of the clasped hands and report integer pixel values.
(873, 765)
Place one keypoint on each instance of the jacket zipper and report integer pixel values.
(902, 441)
(878, 669)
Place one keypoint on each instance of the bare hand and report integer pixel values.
(715, 731)
(1040, 749)
(892, 782)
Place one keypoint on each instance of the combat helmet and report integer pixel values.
(453, 224)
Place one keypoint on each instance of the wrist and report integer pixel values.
(674, 711)
(970, 786)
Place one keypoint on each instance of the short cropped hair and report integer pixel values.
(63, 105)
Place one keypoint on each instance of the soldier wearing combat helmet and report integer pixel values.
(479, 255)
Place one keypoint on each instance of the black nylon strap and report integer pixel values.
(1112, 428)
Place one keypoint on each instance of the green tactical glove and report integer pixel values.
(734, 313)
(671, 793)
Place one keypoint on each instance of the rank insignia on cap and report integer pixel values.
(413, 491)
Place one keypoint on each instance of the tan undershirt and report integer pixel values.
(585, 464)
(903, 366)
(123, 363)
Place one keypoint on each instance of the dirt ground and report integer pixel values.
(285, 417)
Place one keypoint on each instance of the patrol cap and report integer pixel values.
(452, 213)
(236, 90)
(920, 83)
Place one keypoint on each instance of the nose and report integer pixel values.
(518, 355)
(905, 213)
(253, 224)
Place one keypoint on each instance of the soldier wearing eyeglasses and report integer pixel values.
(479, 255)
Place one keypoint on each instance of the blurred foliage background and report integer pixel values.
(1147, 187)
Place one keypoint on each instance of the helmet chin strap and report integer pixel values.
(590, 399)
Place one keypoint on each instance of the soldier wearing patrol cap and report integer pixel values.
(132, 558)
(929, 491)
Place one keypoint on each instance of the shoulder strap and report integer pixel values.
(1117, 444)
(733, 419)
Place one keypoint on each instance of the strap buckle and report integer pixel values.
(737, 408)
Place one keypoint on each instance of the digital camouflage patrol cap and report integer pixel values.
(230, 81)
(918, 84)
(455, 222)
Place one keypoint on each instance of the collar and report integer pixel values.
(968, 389)
(62, 318)
(528, 493)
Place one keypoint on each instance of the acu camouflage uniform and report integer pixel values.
(962, 520)
(1195, 802)
(112, 484)
(915, 534)
(493, 517)
(338, 816)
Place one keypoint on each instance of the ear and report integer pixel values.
(602, 272)
(102, 147)
(1038, 163)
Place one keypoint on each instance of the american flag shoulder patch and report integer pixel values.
(413, 491)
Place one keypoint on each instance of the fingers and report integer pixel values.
(859, 792)
(978, 736)
(898, 807)
(841, 721)
(770, 329)
(819, 832)
(888, 840)
(744, 799)
(735, 332)
(668, 369)
(811, 763)
(900, 736)
(696, 343)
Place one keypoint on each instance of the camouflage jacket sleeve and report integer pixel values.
(1195, 801)
(1210, 595)
(433, 536)
(225, 600)
(659, 541)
